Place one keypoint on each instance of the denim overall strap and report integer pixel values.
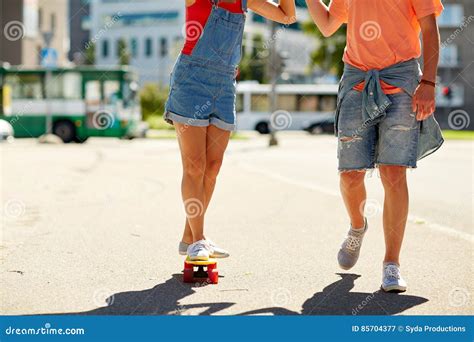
(220, 44)
(244, 6)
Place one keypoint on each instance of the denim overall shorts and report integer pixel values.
(203, 85)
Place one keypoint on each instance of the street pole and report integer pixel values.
(48, 37)
(274, 73)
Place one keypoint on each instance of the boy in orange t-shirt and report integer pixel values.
(382, 38)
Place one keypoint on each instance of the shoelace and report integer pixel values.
(352, 242)
(202, 245)
(392, 271)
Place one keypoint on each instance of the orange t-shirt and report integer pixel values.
(381, 33)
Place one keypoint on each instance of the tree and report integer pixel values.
(152, 99)
(328, 55)
(124, 55)
(252, 66)
(89, 56)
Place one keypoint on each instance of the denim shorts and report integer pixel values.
(201, 94)
(393, 140)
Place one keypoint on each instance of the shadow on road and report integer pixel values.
(336, 299)
(162, 299)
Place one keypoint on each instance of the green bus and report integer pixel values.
(82, 102)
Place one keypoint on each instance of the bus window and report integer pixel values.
(65, 86)
(287, 102)
(308, 103)
(260, 103)
(129, 93)
(25, 86)
(92, 95)
(111, 91)
(328, 103)
(239, 103)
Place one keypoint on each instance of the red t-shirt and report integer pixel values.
(196, 18)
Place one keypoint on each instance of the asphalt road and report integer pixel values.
(94, 228)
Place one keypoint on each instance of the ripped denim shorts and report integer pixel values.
(393, 140)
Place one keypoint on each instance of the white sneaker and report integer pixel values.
(200, 250)
(217, 251)
(392, 280)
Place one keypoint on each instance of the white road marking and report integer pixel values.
(328, 191)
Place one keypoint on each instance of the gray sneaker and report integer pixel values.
(392, 280)
(350, 249)
(218, 252)
(200, 250)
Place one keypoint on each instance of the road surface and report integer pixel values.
(94, 229)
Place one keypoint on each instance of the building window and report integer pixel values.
(452, 15)
(134, 47)
(53, 22)
(105, 48)
(148, 47)
(86, 24)
(118, 48)
(163, 47)
(40, 19)
(449, 56)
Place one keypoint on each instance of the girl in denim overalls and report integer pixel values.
(201, 103)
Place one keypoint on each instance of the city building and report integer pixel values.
(79, 27)
(152, 31)
(456, 69)
(295, 45)
(23, 24)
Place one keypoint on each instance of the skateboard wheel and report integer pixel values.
(213, 276)
(188, 266)
(188, 275)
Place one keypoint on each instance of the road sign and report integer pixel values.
(49, 58)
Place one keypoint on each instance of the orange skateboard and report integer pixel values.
(200, 271)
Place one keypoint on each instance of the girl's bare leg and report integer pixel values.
(192, 143)
(216, 144)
